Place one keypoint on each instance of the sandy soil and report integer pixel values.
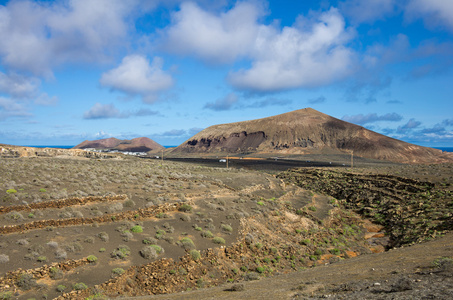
(244, 224)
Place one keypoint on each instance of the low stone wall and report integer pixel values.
(8, 282)
(138, 214)
(60, 203)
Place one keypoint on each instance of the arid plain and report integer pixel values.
(97, 226)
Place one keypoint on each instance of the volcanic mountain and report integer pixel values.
(306, 131)
(142, 144)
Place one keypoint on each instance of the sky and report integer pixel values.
(76, 70)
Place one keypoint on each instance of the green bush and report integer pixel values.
(312, 208)
(41, 258)
(207, 234)
(55, 273)
(80, 286)
(218, 240)
(195, 254)
(61, 288)
(118, 271)
(92, 258)
(121, 252)
(185, 208)
(137, 229)
(335, 251)
(158, 248)
(227, 228)
(148, 252)
(42, 190)
(160, 234)
(260, 269)
(11, 191)
(187, 243)
(305, 242)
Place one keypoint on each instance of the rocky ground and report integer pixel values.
(79, 227)
(422, 271)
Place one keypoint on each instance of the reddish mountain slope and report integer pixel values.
(142, 144)
(306, 131)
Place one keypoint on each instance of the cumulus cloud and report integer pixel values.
(10, 109)
(109, 111)
(225, 103)
(136, 76)
(18, 86)
(368, 11)
(102, 111)
(310, 53)
(361, 119)
(214, 38)
(36, 36)
(433, 12)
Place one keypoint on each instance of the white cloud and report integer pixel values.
(102, 111)
(311, 53)
(307, 56)
(136, 76)
(102, 135)
(45, 99)
(36, 36)
(18, 86)
(109, 111)
(434, 12)
(218, 39)
(10, 108)
(367, 11)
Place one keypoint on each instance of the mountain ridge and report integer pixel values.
(141, 144)
(306, 131)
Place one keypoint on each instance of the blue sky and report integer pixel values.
(83, 69)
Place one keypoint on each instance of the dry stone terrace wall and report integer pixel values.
(217, 265)
(138, 214)
(8, 282)
(61, 203)
(410, 210)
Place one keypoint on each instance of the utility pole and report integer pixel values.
(352, 159)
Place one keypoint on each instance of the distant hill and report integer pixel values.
(142, 144)
(306, 131)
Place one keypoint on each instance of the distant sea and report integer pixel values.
(446, 149)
